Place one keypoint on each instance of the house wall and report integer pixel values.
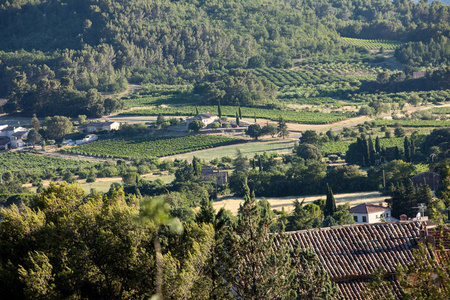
(374, 217)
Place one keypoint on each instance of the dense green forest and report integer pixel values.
(57, 56)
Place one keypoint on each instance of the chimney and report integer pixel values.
(403, 217)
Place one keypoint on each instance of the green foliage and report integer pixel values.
(264, 271)
(153, 146)
(57, 126)
(196, 125)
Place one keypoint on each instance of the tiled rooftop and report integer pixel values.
(351, 253)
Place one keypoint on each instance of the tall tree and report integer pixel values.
(240, 112)
(282, 128)
(407, 147)
(238, 123)
(377, 145)
(330, 203)
(34, 122)
(258, 269)
(34, 137)
(219, 110)
(155, 211)
(371, 151)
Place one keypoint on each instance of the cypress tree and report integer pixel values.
(240, 113)
(371, 151)
(238, 123)
(196, 111)
(196, 166)
(407, 146)
(397, 153)
(413, 148)
(330, 203)
(377, 145)
(219, 110)
(410, 199)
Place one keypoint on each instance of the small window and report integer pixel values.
(364, 219)
(355, 218)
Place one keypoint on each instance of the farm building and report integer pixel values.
(430, 178)
(370, 213)
(206, 118)
(351, 253)
(208, 172)
(15, 135)
(99, 126)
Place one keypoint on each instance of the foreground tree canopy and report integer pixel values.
(70, 245)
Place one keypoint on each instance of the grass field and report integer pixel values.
(248, 149)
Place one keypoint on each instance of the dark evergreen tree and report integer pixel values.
(240, 113)
(330, 203)
(219, 110)
(196, 165)
(238, 123)
(407, 147)
(377, 145)
(371, 151)
(196, 111)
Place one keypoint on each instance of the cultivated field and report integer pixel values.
(248, 149)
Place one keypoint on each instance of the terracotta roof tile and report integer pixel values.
(367, 208)
(356, 250)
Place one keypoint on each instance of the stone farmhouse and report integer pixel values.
(99, 126)
(371, 213)
(351, 253)
(208, 172)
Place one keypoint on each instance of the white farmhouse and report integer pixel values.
(371, 213)
(12, 137)
(99, 126)
(206, 118)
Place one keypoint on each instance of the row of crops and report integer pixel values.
(421, 96)
(149, 147)
(412, 123)
(373, 44)
(342, 146)
(291, 116)
(345, 68)
(288, 77)
(36, 164)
